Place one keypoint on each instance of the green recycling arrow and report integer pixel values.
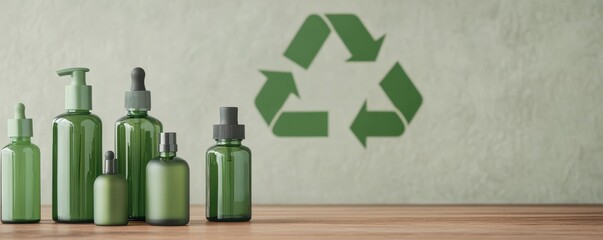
(274, 93)
(308, 41)
(402, 92)
(356, 37)
(302, 124)
(376, 123)
(303, 49)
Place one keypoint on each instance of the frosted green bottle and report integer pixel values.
(228, 172)
(136, 142)
(76, 153)
(110, 195)
(167, 185)
(20, 172)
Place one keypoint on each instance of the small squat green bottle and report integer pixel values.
(136, 142)
(167, 185)
(110, 195)
(76, 153)
(20, 172)
(228, 172)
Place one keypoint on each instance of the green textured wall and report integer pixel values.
(512, 92)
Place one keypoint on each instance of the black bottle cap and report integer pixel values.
(110, 163)
(229, 127)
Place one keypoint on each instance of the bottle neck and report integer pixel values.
(137, 113)
(20, 139)
(228, 142)
(79, 111)
(167, 155)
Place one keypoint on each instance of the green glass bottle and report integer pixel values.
(110, 195)
(228, 172)
(167, 185)
(136, 142)
(20, 172)
(76, 153)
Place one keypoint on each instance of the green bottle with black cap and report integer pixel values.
(168, 185)
(20, 172)
(136, 142)
(76, 152)
(110, 195)
(228, 172)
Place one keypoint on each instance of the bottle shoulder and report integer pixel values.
(175, 161)
(127, 120)
(21, 146)
(113, 180)
(73, 117)
(222, 148)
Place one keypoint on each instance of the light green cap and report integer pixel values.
(138, 98)
(20, 126)
(78, 95)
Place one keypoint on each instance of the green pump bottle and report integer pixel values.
(76, 153)
(168, 185)
(228, 172)
(136, 142)
(20, 172)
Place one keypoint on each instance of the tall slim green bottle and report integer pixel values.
(76, 153)
(228, 172)
(167, 185)
(20, 172)
(136, 142)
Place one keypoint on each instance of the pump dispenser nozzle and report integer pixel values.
(78, 95)
(110, 163)
(138, 98)
(229, 127)
(20, 126)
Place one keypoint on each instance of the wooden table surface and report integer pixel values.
(350, 222)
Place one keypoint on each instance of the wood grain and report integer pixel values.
(350, 222)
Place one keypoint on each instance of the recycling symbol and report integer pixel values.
(363, 47)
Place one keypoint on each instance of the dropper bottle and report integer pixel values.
(136, 142)
(20, 172)
(110, 195)
(228, 171)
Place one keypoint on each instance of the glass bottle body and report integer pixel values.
(136, 141)
(228, 182)
(110, 200)
(167, 191)
(20, 181)
(76, 163)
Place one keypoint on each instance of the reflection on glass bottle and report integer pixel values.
(228, 172)
(76, 153)
(20, 172)
(136, 141)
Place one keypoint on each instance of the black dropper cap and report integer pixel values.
(110, 163)
(137, 75)
(229, 127)
(138, 98)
